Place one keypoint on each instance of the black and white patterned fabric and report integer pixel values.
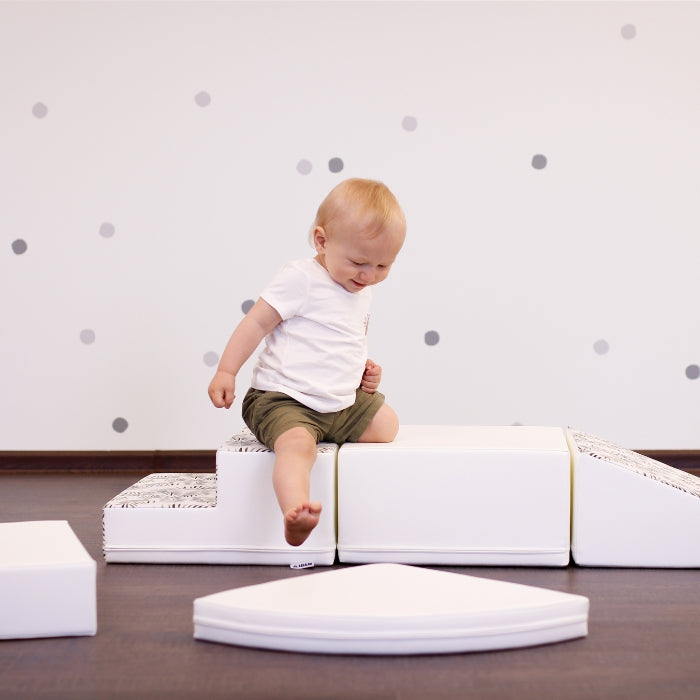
(602, 449)
(165, 490)
(245, 441)
(176, 490)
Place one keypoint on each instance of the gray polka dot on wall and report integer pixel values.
(19, 247)
(409, 123)
(203, 99)
(119, 425)
(304, 166)
(87, 336)
(601, 347)
(107, 230)
(629, 31)
(335, 165)
(539, 162)
(40, 110)
(247, 305)
(432, 338)
(692, 371)
(211, 359)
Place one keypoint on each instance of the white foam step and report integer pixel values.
(231, 517)
(389, 609)
(630, 510)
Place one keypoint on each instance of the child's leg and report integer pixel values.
(383, 427)
(295, 454)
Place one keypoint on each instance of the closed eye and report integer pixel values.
(360, 264)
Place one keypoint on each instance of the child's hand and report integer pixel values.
(371, 377)
(222, 390)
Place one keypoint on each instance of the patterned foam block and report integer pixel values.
(230, 517)
(47, 581)
(389, 609)
(462, 495)
(630, 510)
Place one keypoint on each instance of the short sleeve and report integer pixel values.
(287, 291)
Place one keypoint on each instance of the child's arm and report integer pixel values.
(371, 377)
(256, 324)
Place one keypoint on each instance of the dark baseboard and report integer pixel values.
(117, 461)
(205, 461)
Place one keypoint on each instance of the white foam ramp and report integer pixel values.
(630, 510)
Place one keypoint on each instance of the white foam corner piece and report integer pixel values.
(231, 517)
(47, 582)
(389, 609)
(630, 510)
(457, 495)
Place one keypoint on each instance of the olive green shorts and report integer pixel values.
(268, 414)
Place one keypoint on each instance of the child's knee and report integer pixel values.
(298, 439)
(390, 425)
(384, 426)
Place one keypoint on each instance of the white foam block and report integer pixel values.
(47, 582)
(457, 495)
(231, 517)
(630, 510)
(389, 609)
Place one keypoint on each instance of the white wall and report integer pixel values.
(160, 161)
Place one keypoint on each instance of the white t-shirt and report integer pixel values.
(317, 354)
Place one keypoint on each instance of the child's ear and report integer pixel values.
(319, 238)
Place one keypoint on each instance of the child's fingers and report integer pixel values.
(221, 398)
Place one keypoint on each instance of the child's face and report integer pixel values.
(352, 259)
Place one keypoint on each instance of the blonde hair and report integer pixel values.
(371, 197)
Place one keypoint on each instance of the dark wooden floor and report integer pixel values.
(643, 642)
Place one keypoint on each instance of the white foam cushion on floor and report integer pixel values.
(47, 581)
(457, 495)
(389, 609)
(630, 510)
(231, 517)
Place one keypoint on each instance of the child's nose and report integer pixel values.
(367, 276)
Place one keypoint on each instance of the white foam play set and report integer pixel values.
(437, 495)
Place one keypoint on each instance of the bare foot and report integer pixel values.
(300, 521)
